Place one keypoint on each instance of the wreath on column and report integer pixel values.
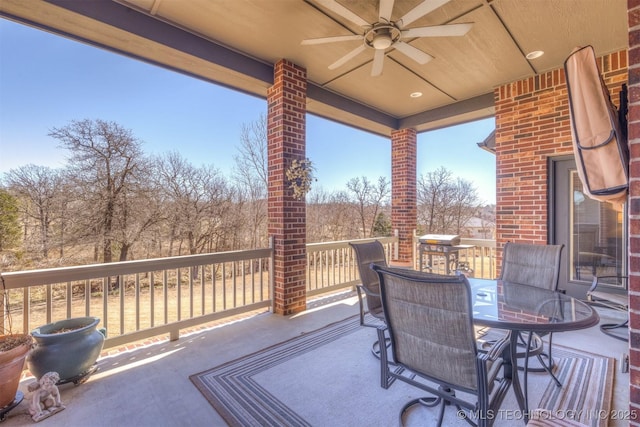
(299, 176)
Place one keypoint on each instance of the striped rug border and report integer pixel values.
(589, 376)
(241, 401)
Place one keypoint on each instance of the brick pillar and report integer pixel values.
(403, 190)
(634, 206)
(286, 101)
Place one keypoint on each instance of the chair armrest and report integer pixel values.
(361, 288)
(596, 281)
(608, 299)
(496, 350)
(490, 364)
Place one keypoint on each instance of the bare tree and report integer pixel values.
(251, 175)
(487, 217)
(9, 223)
(104, 160)
(330, 216)
(379, 199)
(197, 202)
(251, 160)
(465, 204)
(445, 204)
(39, 190)
(140, 210)
(432, 192)
(368, 198)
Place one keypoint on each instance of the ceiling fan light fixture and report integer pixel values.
(384, 34)
(382, 40)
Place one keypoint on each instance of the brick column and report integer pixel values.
(403, 190)
(634, 206)
(286, 128)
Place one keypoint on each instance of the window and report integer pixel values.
(596, 244)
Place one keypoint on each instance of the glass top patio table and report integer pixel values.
(527, 308)
(522, 308)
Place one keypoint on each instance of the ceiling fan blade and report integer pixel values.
(378, 61)
(386, 7)
(416, 54)
(438, 31)
(336, 7)
(420, 10)
(334, 39)
(347, 57)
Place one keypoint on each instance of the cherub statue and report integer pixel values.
(45, 397)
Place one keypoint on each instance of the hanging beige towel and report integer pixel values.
(599, 145)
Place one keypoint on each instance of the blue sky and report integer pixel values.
(47, 81)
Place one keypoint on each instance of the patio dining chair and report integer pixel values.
(538, 266)
(429, 320)
(369, 290)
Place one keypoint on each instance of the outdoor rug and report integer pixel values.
(329, 377)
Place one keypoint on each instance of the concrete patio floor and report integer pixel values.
(150, 386)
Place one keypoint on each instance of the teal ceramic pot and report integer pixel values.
(70, 353)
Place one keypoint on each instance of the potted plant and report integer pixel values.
(14, 348)
(69, 347)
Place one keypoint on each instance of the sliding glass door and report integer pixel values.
(593, 232)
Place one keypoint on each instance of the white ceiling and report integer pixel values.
(236, 43)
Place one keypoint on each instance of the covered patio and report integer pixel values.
(486, 72)
(148, 384)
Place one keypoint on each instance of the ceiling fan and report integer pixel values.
(385, 34)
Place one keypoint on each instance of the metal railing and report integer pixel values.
(136, 300)
(478, 260)
(481, 258)
(139, 299)
(332, 265)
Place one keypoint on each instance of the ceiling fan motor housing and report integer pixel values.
(382, 35)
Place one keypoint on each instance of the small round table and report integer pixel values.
(521, 308)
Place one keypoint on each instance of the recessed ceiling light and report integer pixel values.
(535, 54)
(416, 94)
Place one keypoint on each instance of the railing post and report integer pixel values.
(3, 308)
(272, 280)
(396, 244)
(414, 255)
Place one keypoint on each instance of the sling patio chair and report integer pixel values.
(538, 266)
(429, 320)
(369, 290)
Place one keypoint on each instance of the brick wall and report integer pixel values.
(286, 101)
(634, 206)
(532, 124)
(403, 190)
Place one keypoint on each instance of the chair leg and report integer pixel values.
(375, 348)
(606, 328)
(429, 402)
(361, 304)
(441, 414)
(384, 366)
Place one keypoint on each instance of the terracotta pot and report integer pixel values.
(11, 366)
(70, 353)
